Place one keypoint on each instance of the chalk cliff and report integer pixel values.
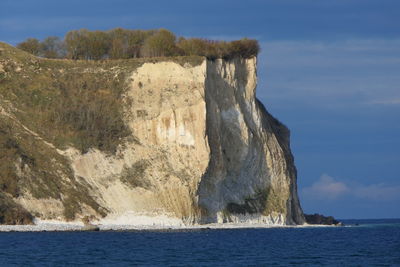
(198, 147)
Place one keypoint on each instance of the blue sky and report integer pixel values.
(329, 70)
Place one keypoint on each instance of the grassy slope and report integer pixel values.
(66, 103)
(74, 102)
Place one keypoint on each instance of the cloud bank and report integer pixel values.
(329, 188)
(326, 187)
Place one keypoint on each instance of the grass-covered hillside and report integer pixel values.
(70, 102)
(50, 104)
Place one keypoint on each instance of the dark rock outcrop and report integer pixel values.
(321, 219)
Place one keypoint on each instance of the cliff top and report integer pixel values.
(121, 43)
(9, 52)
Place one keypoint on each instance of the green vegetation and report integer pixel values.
(90, 109)
(66, 103)
(275, 202)
(11, 213)
(11, 152)
(134, 175)
(26, 168)
(251, 205)
(265, 201)
(74, 103)
(123, 43)
(51, 47)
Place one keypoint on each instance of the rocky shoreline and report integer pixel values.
(77, 227)
(159, 224)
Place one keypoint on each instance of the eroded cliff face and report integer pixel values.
(251, 175)
(201, 149)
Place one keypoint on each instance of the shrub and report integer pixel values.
(30, 45)
(244, 48)
(122, 43)
(161, 44)
(91, 111)
(52, 47)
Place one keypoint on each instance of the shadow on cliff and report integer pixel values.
(237, 178)
(282, 134)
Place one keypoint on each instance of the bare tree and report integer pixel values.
(30, 45)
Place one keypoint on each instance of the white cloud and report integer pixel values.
(328, 188)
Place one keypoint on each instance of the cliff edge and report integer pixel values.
(164, 141)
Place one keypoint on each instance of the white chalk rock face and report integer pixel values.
(203, 149)
(251, 175)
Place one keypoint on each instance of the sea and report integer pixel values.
(358, 243)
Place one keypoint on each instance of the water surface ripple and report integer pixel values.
(369, 243)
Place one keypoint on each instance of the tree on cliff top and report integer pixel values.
(161, 44)
(30, 45)
(123, 43)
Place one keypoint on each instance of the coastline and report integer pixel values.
(61, 226)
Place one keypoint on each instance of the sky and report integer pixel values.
(329, 70)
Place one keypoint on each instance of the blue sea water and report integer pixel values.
(360, 243)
